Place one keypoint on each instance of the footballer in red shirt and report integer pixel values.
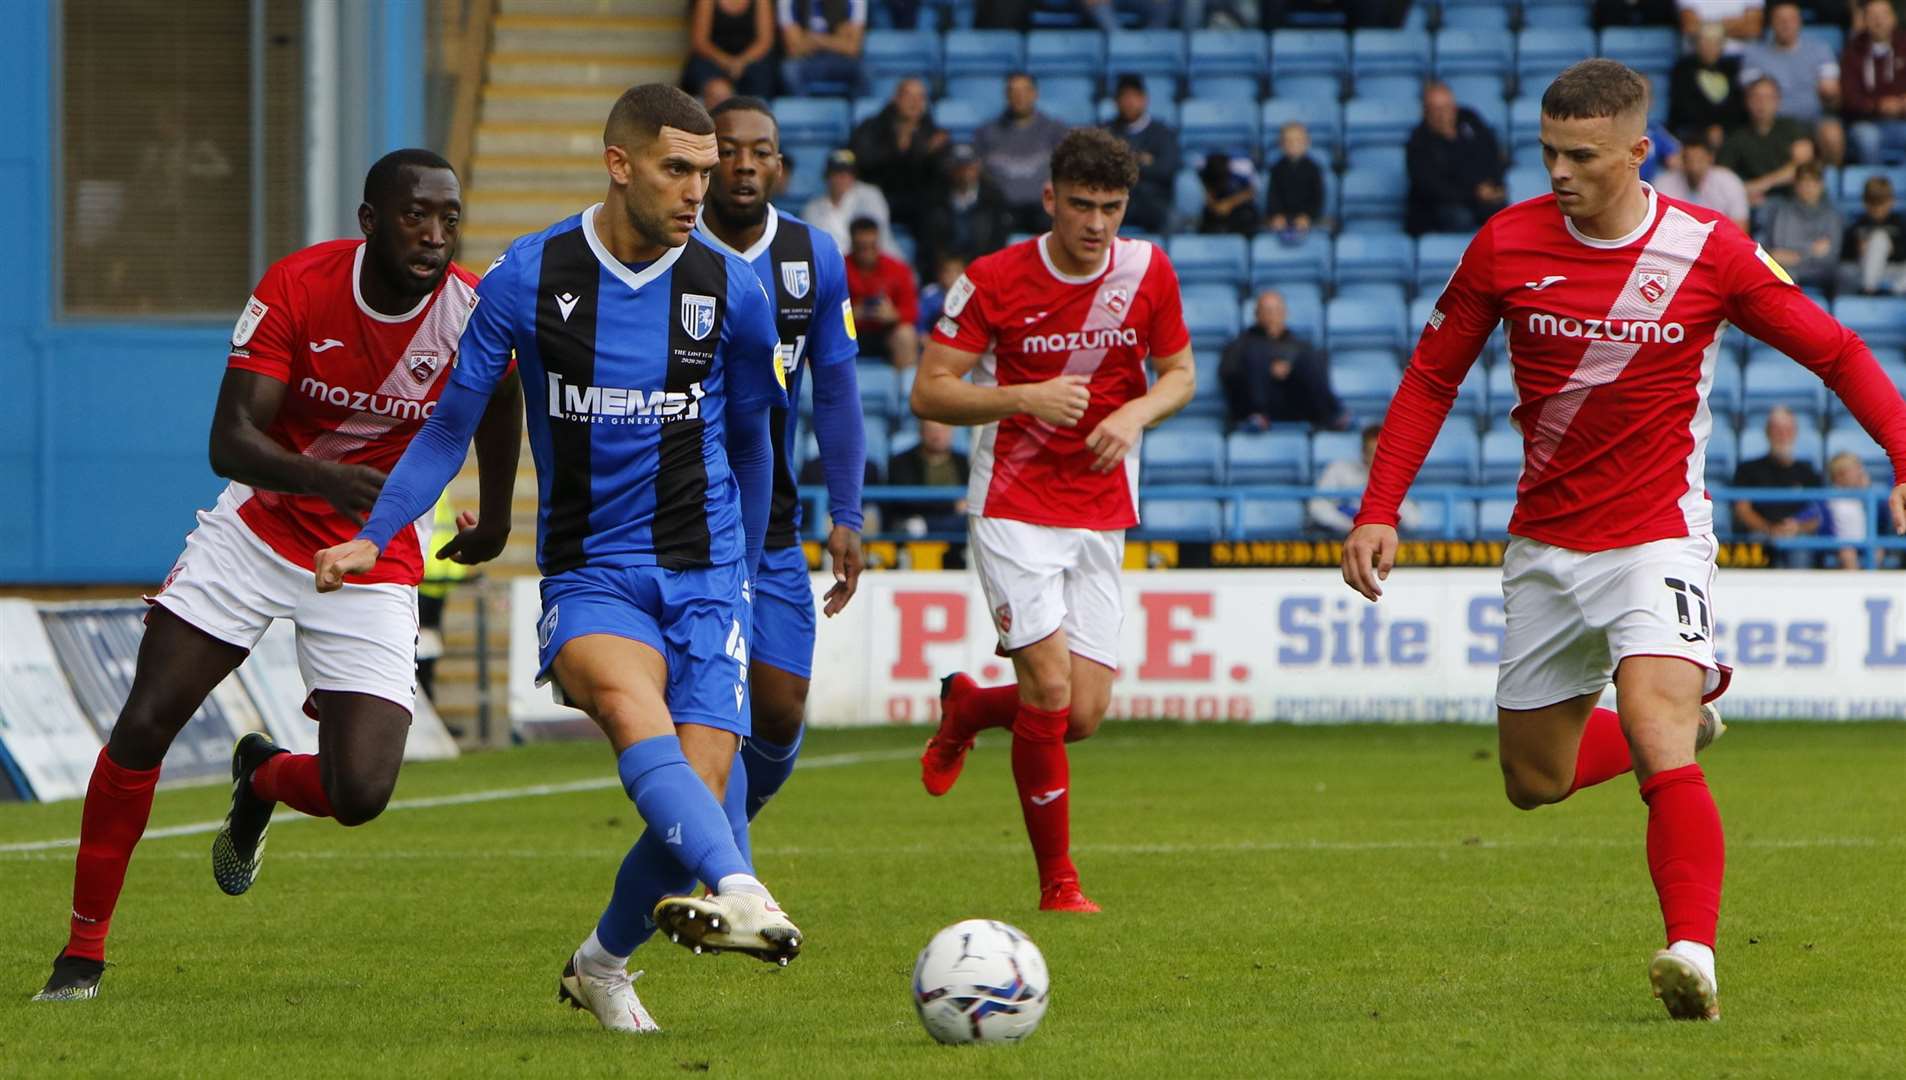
(1055, 332)
(337, 359)
(1614, 299)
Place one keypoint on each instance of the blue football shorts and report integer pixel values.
(699, 620)
(784, 612)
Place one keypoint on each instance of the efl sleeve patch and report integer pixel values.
(248, 321)
(847, 319)
(957, 296)
(1773, 264)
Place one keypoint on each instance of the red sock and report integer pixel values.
(1043, 776)
(1603, 754)
(293, 779)
(118, 802)
(988, 707)
(1686, 854)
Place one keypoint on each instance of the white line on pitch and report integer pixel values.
(428, 802)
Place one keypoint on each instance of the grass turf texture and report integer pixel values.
(1279, 901)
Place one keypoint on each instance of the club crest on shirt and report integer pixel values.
(1116, 299)
(795, 278)
(1652, 285)
(698, 314)
(423, 365)
(1003, 618)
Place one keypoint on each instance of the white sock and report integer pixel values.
(593, 959)
(1701, 956)
(747, 883)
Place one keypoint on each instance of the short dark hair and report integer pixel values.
(1094, 158)
(643, 111)
(388, 171)
(1809, 170)
(1878, 189)
(744, 103)
(1696, 139)
(1768, 79)
(1022, 73)
(862, 224)
(1594, 88)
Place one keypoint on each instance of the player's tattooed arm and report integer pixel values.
(499, 443)
(1115, 436)
(941, 392)
(240, 450)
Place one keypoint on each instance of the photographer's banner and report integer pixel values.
(46, 746)
(1297, 646)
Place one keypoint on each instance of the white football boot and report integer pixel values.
(1683, 987)
(742, 921)
(610, 998)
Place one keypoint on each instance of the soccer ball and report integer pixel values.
(981, 981)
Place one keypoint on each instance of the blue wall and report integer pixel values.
(103, 425)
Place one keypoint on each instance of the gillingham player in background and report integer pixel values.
(338, 358)
(1615, 299)
(650, 367)
(801, 268)
(1056, 331)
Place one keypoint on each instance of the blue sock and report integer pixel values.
(674, 802)
(649, 872)
(769, 766)
(735, 804)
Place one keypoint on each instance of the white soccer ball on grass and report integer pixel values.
(981, 981)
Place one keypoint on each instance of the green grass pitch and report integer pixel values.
(1280, 901)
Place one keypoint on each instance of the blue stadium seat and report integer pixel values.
(1460, 523)
(1880, 320)
(1651, 50)
(1524, 139)
(959, 117)
(1072, 111)
(1265, 518)
(1373, 195)
(1492, 517)
(1470, 89)
(1724, 397)
(1377, 156)
(1205, 125)
(983, 52)
(1187, 197)
(1210, 260)
(1502, 390)
(1573, 16)
(1476, 16)
(1402, 92)
(1310, 52)
(864, 108)
(1207, 394)
(1239, 89)
(1389, 52)
(1230, 52)
(1543, 51)
(1280, 456)
(1066, 52)
(1851, 437)
(1186, 519)
(879, 445)
(1144, 53)
(1461, 51)
(1384, 257)
(1472, 394)
(812, 119)
(1211, 318)
(1853, 183)
(1770, 380)
(1723, 455)
(1453, 458)
(1175, 455)
(1364, 380)
(898, 53)
(1317, 88)
(1324, 120)
(1495, 113)
(1303, 309)
(1501, 456)
(1436, 257)
(1377, 122)
(878, 396)
(1808, 446)
(1352, 323)
(987, 91)
(1068, 86)
(1526, 182)
(1274, 263)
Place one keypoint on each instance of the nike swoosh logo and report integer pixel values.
(1538, 286)
(1042, 800)
(326, 345)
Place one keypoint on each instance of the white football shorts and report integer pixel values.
(1040, 578)
(361, 639)
(1572, 616)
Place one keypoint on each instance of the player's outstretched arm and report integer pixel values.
(839, 428)
(941, 392)
(499, 444)
(240, 450)
(1115, 435)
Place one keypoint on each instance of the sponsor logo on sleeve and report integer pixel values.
(248, 321)
(957, 296)
(947, 327)
(847, 319)
(1773, 264)
(1436, 319)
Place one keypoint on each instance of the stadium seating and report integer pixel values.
(1183, 455)
(1651, 50)
(1353, 324)
(1212, 319)
(1270, 517)
(1501, 456)
(1378, 121)
(1389, 52)
(1492, 518)
(1186, 519)
(983, 52)
(961, 117)
(1323, 89)
(1232, 88)
(1771, 379)
(1374, 196)
(1472, 394)
(812, 119)
(1280, 456)
(1364, 380)
(1229, 53)
(1145, 53)
(1478, 51)
(1274, 262)
(1310, 52)
(1453, 458)
(1303, 309)
(1848, 436)
(1502, 391)
(1808, 447)
(1213, 260)
(1879, 320)
(1387, 257)
(899, 53)
(1436, 257)
(1322, 118)
(1377, 156)
(878, 394)
(1456, 519)
(1473, 90)
(1065, 52)
(1207, 125)
(1526, 182)
(1543, 51)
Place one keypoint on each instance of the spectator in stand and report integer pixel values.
(1704, 183)
(1271, 375)
(1455, 167)
(1016, 150)
(1845, 517)
(1664, 151)
(901, 151)
(1155, 145)
(1873, 85)
(1802, 231)
(1779, 469)
(1873, 252)
(1230, 195)
(1807, 73)
(821, 42)
(845, 200)
(1336, 514)
(969, 218)
(1704, 89)
(931, 463)
(933, 295)
(1104, 14)
(733, 39)
(1740, 20)
(886, 300)
(715, 89)
(1634, 13)
(1296, 198)
(1765, 151)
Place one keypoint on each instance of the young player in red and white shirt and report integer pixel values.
(336, 361)
(1056, 331)
(1615, 299)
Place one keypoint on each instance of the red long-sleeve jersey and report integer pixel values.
(1613, 345)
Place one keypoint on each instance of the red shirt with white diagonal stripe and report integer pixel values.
(1034, 323)
(1613, 345)
(358, 385)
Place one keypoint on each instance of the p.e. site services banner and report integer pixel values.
(1298, 646)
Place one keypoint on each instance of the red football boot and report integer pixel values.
(1064, 895)
(945, 754)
